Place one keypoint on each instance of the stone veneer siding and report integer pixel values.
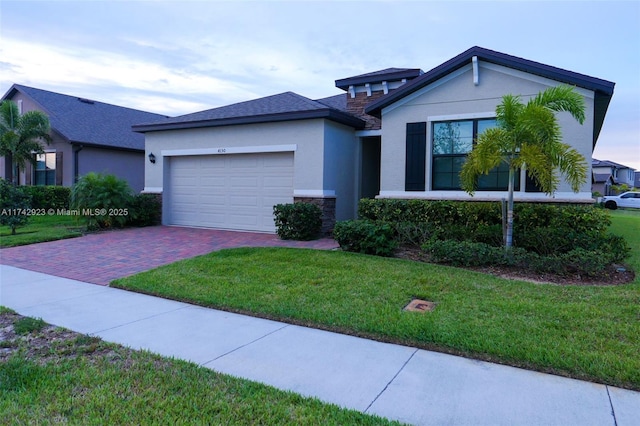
(328, 208)
(357, 105)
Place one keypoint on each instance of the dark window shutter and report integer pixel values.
(58, 168)
(416, 157)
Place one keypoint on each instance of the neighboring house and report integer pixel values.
(602, 183)
(88, 136)
(607, 173)
(395, 133)
(636, 182)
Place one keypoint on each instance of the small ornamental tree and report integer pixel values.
(528, 135)
(14, 204)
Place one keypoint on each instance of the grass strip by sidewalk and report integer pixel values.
(584, 332)
(41, 229)
(80, 379)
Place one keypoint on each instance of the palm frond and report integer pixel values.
(562, 98)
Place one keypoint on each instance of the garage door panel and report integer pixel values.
(212, 201)
(248, 182)
(236, 191)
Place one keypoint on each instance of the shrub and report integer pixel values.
(297, 221)
(14, 205)
(466, 253)
(48, 197)
(28, 325)
(364, 236)
(104, 198)
(144, 210)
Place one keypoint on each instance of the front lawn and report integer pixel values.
(51, 375)
(41, 229)
(586, 332)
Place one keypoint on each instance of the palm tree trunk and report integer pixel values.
(509, 239)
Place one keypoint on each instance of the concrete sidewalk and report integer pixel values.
(397, 382)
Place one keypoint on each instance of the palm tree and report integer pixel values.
(528, 135)
(20, 135)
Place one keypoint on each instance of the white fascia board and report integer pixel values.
(225, 150)
(531, 77)
(314, 193)
(426, 89)
(470, 116)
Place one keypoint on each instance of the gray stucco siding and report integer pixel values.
(456, 97)
(127, 165)
(340, 168)
(306, 135)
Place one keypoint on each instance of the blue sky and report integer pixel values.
(175, 57)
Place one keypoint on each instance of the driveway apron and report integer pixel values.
(102, 257)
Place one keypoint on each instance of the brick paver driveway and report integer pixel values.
(102, 257)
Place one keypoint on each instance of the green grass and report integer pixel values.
(586, 332)
(627, 223)
(84, 380)
(28, 325)
(41, 229)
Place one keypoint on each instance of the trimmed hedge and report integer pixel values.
(545, 229)
(577, 261)
(548, 238)
(363, 236)
(297, 221)
(48, 197)
(144, 210)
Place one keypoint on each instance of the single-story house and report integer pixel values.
(88, 136)
(394, 133)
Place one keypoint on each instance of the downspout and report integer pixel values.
(76, 161)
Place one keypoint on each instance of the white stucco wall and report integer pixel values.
(340, 166)
(456, 97)
(323, 152)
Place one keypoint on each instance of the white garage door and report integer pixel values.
(234, 191)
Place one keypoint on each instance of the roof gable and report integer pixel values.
(88, 122)
(281, 107)
(603, 89)
(379, 76)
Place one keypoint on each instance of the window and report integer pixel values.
(452, 141)
(45, 171)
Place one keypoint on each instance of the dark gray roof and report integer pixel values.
(282, 107)
(388, 74)
(607, 163)
(602, 177)
(338, 102)
(603, 89)
(89, 122)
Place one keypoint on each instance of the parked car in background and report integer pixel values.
(626, 199)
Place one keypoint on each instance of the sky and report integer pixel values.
(179, 57)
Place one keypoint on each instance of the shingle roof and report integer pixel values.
(89, 122)
(281, 107)
(338, 102)
(607, 163)
(602, 177)
(603, 89)
(379, 76)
